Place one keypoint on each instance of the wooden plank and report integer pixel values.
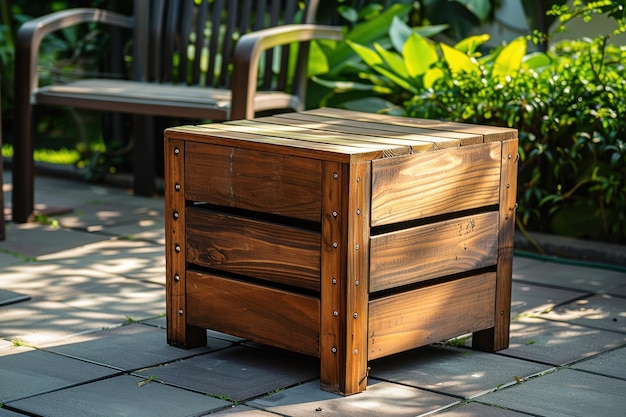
(333, 277)
(209, 134)
(390, 140)
(497, 338)
(270, 251)
(178, 332)
(442, 139)
(431, 314)
(274, 317)
(489, 133)
(435, 183)
(433, 250)
(248, 179)
(357, 296)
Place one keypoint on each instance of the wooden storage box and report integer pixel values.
(343, 235)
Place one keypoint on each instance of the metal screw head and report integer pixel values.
(334, 281)
(355, 315)
(335, 244)
(176, 151)
(358, 211)
(356, 282)
(177, 187)
(176, 277)
(335, 214)
(336, 313)
(334, 350)
(180, 312)
(335, 175)
(356, 351)
(176, 215)
(177, 248)
(356, 247)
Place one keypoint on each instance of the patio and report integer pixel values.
(90, 338)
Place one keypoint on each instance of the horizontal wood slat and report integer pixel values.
(431, 314)
(265, 315)
(434, 250)
(435, 183)
(260, 249)
(254, 180)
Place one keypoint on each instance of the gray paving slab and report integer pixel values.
(11, 297)
(243, 411)
(558, 343)
(453, 371)
(38, 322)
(120, 396)
(611, 363)
(603, 311)
(161, 323)
(26, 372)
(6, 413)
(378, 400)
(531, 299)
(564, 393)
(473, 409)
(34, 239)
(621, 291)
(129, 258)
(238, 373)
(572, 277)
(127, 348)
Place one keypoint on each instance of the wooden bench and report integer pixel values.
(226, 68)
(342, 235)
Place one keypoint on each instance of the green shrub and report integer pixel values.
(567, 105)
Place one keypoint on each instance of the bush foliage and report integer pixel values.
(567, 105)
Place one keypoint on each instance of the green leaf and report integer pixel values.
(480, 8)
(471, 43)
(419, 54)
(348, 13)
(536, 60)
(318, 61)
(431, 76)
(399, 32)
(458, 61)
(343, 86)
(393, 60)
(509, 60)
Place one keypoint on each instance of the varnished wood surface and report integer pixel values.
(434, 250)
(270, 251)
(279, 318)
(253, 180)
(431, 314)
(435, 183)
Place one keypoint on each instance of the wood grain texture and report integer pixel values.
(497, 338)
(431, 314)
(253, 180)
(260, 249)
(178, 332)
(278, 318)
(433, 250)
(333, 277)
(435, 183)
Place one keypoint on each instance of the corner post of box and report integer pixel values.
(497, 338)
(344, 277)
(178, 332)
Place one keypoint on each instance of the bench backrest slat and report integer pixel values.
(192, 41)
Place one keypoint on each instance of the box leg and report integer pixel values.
(497, 337)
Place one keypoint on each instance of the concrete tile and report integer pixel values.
(379, 399)
(566, 393)
(558, 343)
(35, 239)
(128, 348)
(122, 298)
(479, 410)
(620, 291)
(242, 411)
(26, 372)
(572, 277)
(120, 396)
(529, 299)
(238, 373)
(11, 297)
(603, 311)
(6, 413)
(41, 322)
(129, 258)
(608, 363)
(452, 371)
(161, 323)
(522, 262)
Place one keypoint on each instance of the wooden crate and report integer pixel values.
(342, 235)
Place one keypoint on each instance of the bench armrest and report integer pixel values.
(248, 52)
(31, 33)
